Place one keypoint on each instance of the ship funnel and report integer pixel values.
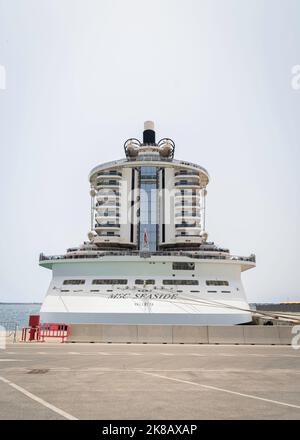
(148, 133)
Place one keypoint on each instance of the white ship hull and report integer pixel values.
(166, 302)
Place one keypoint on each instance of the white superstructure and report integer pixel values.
(147, 260)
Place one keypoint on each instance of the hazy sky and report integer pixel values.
(215, 76)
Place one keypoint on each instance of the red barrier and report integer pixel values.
(32, 332)
(54, 331)
(39, 333)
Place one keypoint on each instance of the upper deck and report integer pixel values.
(114, 256)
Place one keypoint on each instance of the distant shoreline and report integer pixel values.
(19, 303)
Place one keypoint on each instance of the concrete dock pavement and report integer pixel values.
(121, 381)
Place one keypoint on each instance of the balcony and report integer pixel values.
(188, 194)
(110, 226)
(103, 196)
(109, 174)
(110, 217)
(190, 219)
(108, 235)
(186, 205)
(188, 214)
(187, 235)
(188, 183)
(107, 204)
(108, 184)
(186, 173)
(186, 225)
(104, 212)
(185, 238)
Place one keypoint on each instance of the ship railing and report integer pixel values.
(193, 183)
(216, 256)
(147, 158)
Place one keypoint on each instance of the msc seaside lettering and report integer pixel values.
(150, 430)
(144, 295)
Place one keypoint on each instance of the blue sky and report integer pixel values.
(215, 76)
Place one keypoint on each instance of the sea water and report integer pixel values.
(16, 313)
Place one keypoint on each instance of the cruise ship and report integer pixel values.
(147, 259)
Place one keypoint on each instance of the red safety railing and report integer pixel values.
(47, 330)
(30, 334)
(53, 331)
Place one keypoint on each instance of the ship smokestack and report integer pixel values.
(148, 133)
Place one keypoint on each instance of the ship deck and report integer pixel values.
(43, 381)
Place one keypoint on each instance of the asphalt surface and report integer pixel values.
(115, 381)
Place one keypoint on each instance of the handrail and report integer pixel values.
(186, 173)
(187, 184)
(188, 193)
(188, 214)
(107, 225)
(111, 193)
(124, 161)
(200, 255)
(187, 225)
(106, 214)
(109, 173)
(105, 184)
(110, 236)
(106, 204)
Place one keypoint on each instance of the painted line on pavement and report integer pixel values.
(38, 399)
(210, 387)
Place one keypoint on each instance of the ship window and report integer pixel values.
(195, 291)
(181, 282)
(217, 283)
(211, 291)
(183, 266)
(112, 281)
(226, 291)
(73, 282)
(95, 290)
(65, 290)
(145, 281)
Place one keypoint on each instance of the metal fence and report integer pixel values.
(11, 329)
